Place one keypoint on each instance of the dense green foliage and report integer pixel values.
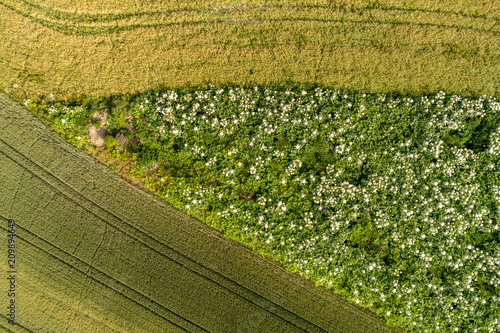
(391, 201)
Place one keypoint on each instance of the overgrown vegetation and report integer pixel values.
(388, 200)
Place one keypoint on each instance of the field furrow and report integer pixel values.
(82, 17)
(84, 7)
(12, 329)
(82, 274)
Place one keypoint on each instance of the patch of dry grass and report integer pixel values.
(120, 7)
(375, 47)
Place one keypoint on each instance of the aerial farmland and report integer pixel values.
(250, 166)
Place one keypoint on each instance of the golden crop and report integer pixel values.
(86, 49)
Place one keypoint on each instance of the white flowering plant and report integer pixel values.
(390, 201)
(67, 119)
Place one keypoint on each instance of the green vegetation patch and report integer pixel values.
(390, 201)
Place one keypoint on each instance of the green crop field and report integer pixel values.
(70, 50)
(94, 254)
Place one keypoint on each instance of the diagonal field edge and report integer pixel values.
(99, 272)
(207, 271)
(69, 30)
(88, 17)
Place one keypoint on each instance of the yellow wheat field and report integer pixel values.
(71, 49)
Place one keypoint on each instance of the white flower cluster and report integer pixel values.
(494, 147)
(292, 168)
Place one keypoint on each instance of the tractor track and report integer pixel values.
(70, 24)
